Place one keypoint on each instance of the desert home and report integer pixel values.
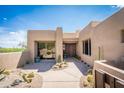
(99, 47)
(97, 41)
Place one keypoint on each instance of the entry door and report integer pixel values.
(70, 50)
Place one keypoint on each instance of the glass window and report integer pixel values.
(46, 49)
(122, 36)
(87, 47)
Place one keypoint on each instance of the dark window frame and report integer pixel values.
(122, 36)
(86, 44)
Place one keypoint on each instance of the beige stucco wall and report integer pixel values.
(38, 35)
(14, 59)
(85, 34)
(59, 43)
(107, 36)
(45, 36)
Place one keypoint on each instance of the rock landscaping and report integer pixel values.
(60, 64)
(19, 79)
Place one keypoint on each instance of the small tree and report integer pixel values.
(59, 59)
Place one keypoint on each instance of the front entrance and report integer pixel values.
(69, 49)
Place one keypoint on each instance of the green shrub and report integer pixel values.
(90, 78)
(24, 76)
(2, 70)
(30, 75)
(77, 57)
(6, 72)
(90, 72)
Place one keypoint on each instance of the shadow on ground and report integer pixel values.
(43, 66)
(80, 65)
(46, 65)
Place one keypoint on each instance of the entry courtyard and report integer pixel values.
(65, 78)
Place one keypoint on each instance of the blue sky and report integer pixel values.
(16, 20)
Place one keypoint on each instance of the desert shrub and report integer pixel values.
(24, 76)
(6, 72)
(87, 81)
(77, 57)
(2, 76)
(2, 70)
(28, 77)
(60, 65)
(90, 78)
(90, 72)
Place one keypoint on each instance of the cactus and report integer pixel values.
(2, 77)
(2, 70)
(6, 72)
(90, 72)
(24, 76)
(90, 78)
(28, 77)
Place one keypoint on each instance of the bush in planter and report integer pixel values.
(60, 64)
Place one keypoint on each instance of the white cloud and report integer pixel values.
(12, 33)
(12, 39)
(117, 6)
(5, 19)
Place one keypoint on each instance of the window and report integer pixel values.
(46, 49)
(122, 36)
(87, 47)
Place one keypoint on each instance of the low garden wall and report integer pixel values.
(14, 59)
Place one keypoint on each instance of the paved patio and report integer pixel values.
(66, 78)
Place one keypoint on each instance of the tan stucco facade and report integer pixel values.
(107, 36)
(105, 39)
(14, 59)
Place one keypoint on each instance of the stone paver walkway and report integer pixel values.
(66, 78)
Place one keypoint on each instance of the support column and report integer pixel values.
(59, 43)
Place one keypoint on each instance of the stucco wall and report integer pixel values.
(38, 35)
(107, 36)
(59, 43)
(85, 34)
(14, 59)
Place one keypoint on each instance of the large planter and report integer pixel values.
(37, 59)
